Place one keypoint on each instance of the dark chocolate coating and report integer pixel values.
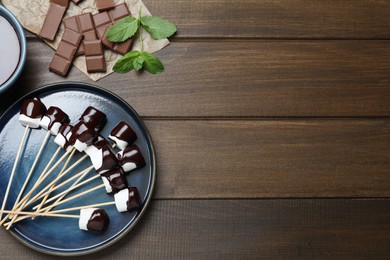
(64, 130)
(83, 133)
(110, 161)
(117, 179)
(55, 114)
(94, 118)
(99, 221)
(134, 202)
(33, 108)
(132, 154)
(100, 141)
(124, 132)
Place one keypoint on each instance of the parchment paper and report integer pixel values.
(31, 14)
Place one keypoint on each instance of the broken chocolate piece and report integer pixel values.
(72, 23)
(53, 19)
(94, 56)
(65, 52)
(103, 5)
(119, 12)
(104, 20)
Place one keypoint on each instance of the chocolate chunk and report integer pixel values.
(94, 56)
(96, 64)
(93, 48)
(119, 12)
(65, 52)
(86, 22)
(99, 221)
(103, 5)
(106, 19)
(53, 19)
(72, 23)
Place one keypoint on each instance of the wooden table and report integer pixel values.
(271, 125)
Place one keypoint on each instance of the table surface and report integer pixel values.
(271, 125)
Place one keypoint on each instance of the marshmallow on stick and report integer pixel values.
(30, 115)
(90, 219)
(122, 135)
(131, 158)
(51, 121)
(127, 199)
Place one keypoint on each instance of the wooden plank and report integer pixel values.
(276, 18)
(271, 158)
(250, 229)
(244, 78)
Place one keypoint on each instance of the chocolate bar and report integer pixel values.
(104, 20)
(65, 52)
(103, 5)
(87, 28)
(94, 56)
(72, 23)
(53, 19)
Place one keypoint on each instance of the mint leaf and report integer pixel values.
(151, 63)
(126, 63)
(123, 29)
(157, 27)
(137, 63)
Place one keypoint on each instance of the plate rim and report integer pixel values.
(88, 86)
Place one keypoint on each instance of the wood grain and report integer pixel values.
(342, 19)
(244, 79)
(271, 158)
(236, 229)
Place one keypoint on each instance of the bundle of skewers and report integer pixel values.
(43, 196)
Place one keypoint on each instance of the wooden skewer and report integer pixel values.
(42, 192)
(25, 198)
(74, 184)
(26, 181)
(48, 186)
(63, 210)
(74, 197)
(22, 144)
(61, 172)
(65, 192)
(49, 214)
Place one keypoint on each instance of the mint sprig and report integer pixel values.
(123, 29)
(138, 60)
(126, 28)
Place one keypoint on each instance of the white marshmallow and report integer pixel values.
(80, 146)
(31, 122)
(121, 199)
(120, 143)
(129, 166)
(55, 128)
(96, 156)
(107, 184)
(85, 216)
(60, 140)
(45, 122)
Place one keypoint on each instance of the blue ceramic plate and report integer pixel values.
(62, 236)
